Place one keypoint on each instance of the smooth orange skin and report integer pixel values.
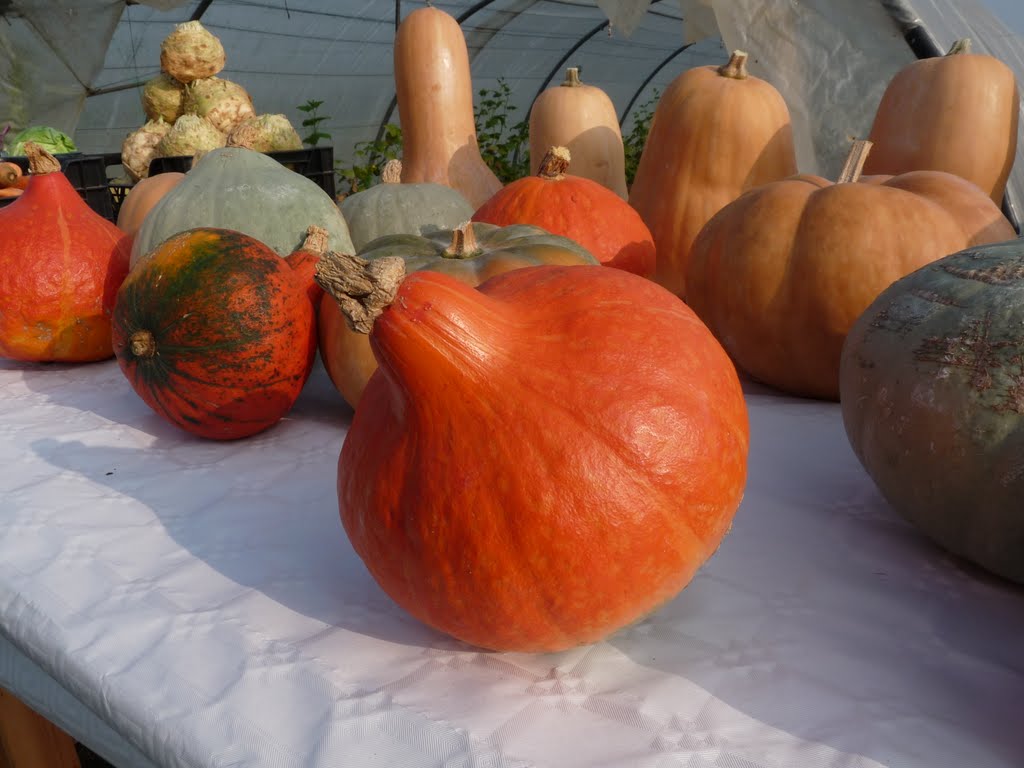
(60, 267)
(142, 197)
(435, 102)
(235, 335)
(541, 461)
(781, 274)
(956, 113)
(580, 209)
(711, 139)
(303, 263)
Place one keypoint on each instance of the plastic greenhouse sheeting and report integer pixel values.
(78, 65)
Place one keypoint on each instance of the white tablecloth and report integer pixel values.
(178, 602)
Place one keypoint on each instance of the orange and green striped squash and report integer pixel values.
(215, 332)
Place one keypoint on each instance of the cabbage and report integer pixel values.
(50, 139)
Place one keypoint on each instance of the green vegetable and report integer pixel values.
(50, 139)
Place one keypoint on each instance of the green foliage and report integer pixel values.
(504, 146)
(633, 142)
(313, 121)
(368, 158)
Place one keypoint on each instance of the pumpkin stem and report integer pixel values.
(572, 78)
(362, 288)
(555, 163)
(963, 45)
(464, 244)
(854, 165)
(736, 67)
(316, 239)
(142, 344)
(39, 160)
(391, 173)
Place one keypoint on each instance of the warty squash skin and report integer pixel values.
(578, 208)
(716, 132)
(957, 113)
(215, 332)
(60, 267)
(582, 119)
(932, 396)
(435, 105)
(520, 508)
(781, 274)
(472, 254)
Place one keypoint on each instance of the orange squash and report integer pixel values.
(540, 461)
(956, 113)
(582, 119)
(781, 274)
(716, 132)
(60, 267)
(435, 104)
(577, 208)
(142, 197)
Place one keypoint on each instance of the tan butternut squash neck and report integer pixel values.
(572, 78)
(362, 288)
(736, 67)
(854, 165)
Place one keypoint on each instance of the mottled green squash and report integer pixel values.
(244, 191)
(393, 208)
(932, 394)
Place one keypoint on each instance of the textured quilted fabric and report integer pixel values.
(178, 602)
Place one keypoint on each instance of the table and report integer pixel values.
(177, 602)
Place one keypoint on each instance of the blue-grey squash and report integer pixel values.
(245, 191)
(931, 386)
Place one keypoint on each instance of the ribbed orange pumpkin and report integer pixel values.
(215, 332)
(60, 267)
(577, 208)
(542, 460)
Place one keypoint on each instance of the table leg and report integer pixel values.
(28, 740)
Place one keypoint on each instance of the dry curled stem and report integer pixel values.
(362, 288)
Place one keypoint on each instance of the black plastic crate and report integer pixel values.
(315, 163)
(87, 174)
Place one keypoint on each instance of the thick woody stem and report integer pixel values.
(464, 243)
(963, 45)
(391, 173)
(572, 78)
(39, 160)
(555, 163)
(736, 67)
(855, 160)
(362, 288)
(316, 239)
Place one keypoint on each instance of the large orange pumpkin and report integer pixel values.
(577, 208)
(435, 103)
(956, 113)
(716, 132)
(542, 460)
(781, 274)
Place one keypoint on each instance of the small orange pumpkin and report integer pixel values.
(577, 208)
(142, 197)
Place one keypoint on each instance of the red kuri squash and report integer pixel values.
(60, 267)
(578, 208)
(215, 332)
(539, 461)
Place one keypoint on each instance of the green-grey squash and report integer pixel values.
(471, 253)
(245, 191)
(931, 388)
(393, 208)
